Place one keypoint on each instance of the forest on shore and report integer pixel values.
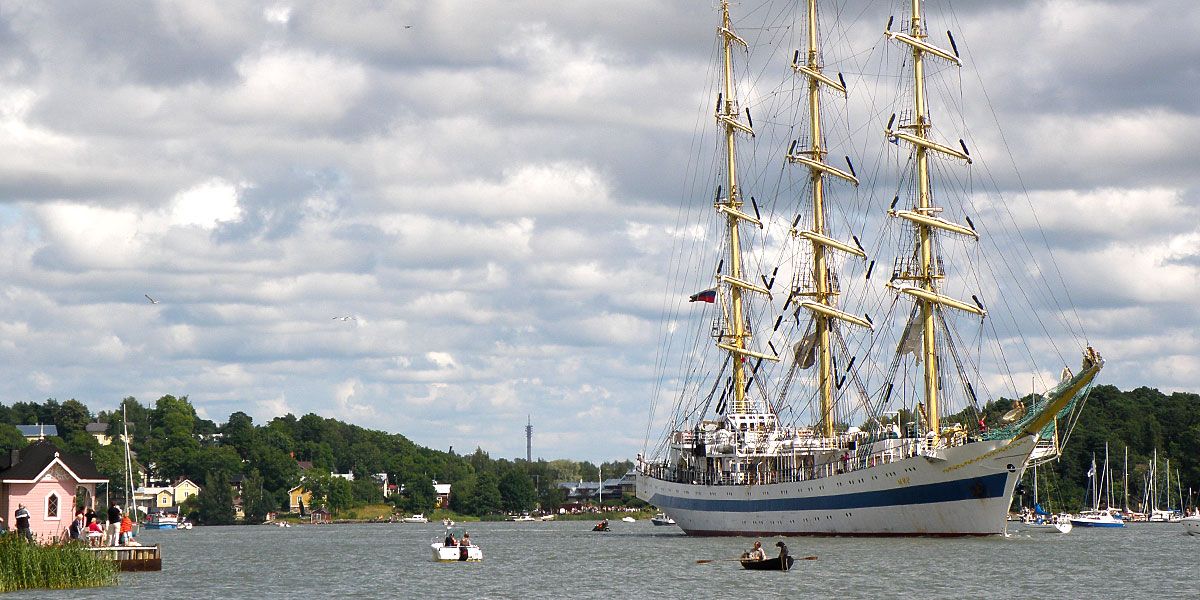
(171, 441)
(1139, 421)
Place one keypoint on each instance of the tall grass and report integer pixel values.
(24, 565)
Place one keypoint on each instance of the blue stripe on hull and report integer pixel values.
(975, 488)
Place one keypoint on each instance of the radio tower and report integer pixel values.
(528, 440)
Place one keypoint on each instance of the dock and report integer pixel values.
(132, 558)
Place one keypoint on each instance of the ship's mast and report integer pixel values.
(728, 113)
(734, 202)
(924, 235)
(820, 268)
(824, 312)
(925, 215)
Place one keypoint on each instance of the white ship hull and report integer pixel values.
(964, 490)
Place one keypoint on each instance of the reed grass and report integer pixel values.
(25, 565)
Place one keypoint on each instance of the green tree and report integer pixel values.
(419, 494)
(367, 491)
(239, 433)
(256, 501)
(341, 494)
(11, 438)
(215, 501)
(486, 499)
(110, 462)
(516, 491)
(72, 416)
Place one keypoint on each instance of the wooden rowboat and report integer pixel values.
(770, 564)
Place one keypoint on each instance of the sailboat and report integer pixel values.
(1039, 518)
(741, 454)
(1102, 514)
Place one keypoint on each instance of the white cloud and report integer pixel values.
(494, 192)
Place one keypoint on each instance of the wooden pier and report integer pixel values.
(132, 558)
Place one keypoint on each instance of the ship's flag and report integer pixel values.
(1092, 471)
(709, 295)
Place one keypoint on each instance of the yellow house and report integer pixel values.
(185, 489)
(297, 495)
(164, 498)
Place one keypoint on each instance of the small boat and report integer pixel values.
(161, 521)
(524, 518)
(417, 518)
(1060, 523)
(184, 526)
(459, 552)
(769, 564)
(662, 519)
(629, 519)
(547, 517)
(602, 526)
(448, 523)
(1097, 518)
(1191, 524)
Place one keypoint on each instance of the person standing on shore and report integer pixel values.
(126, 530)
(22, 518)
(112, 534)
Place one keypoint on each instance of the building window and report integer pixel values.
(52, 506)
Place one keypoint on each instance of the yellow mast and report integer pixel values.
(820, 269)
(729, 110)
(814, 158)
(924, 216)
(924, 232)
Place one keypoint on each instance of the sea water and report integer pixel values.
(638, 560)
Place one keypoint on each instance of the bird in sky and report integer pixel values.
(408, 26)
(345, 318)
(152, 300)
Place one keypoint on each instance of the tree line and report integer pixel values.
(1141, 420)
(170, 442)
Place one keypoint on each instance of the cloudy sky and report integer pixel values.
(490, 188)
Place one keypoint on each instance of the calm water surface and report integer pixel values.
(637, 560)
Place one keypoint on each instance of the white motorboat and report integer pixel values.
(628, 519)
(662, 519)
(455, 549)
(417, 518)
(523, 518)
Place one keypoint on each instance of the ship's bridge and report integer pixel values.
(752, 422)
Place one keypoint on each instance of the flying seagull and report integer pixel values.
(152, 300)
(345, 318)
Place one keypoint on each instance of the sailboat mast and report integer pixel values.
(729, 110)
(925, 232)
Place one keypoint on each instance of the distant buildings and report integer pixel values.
(37, 432)
(164, 498)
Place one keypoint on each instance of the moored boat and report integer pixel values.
(161, 520)
(1098, 518)
(417, 518)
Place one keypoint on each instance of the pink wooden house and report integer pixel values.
(47, 482)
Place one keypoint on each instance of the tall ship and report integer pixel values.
(794, 411)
